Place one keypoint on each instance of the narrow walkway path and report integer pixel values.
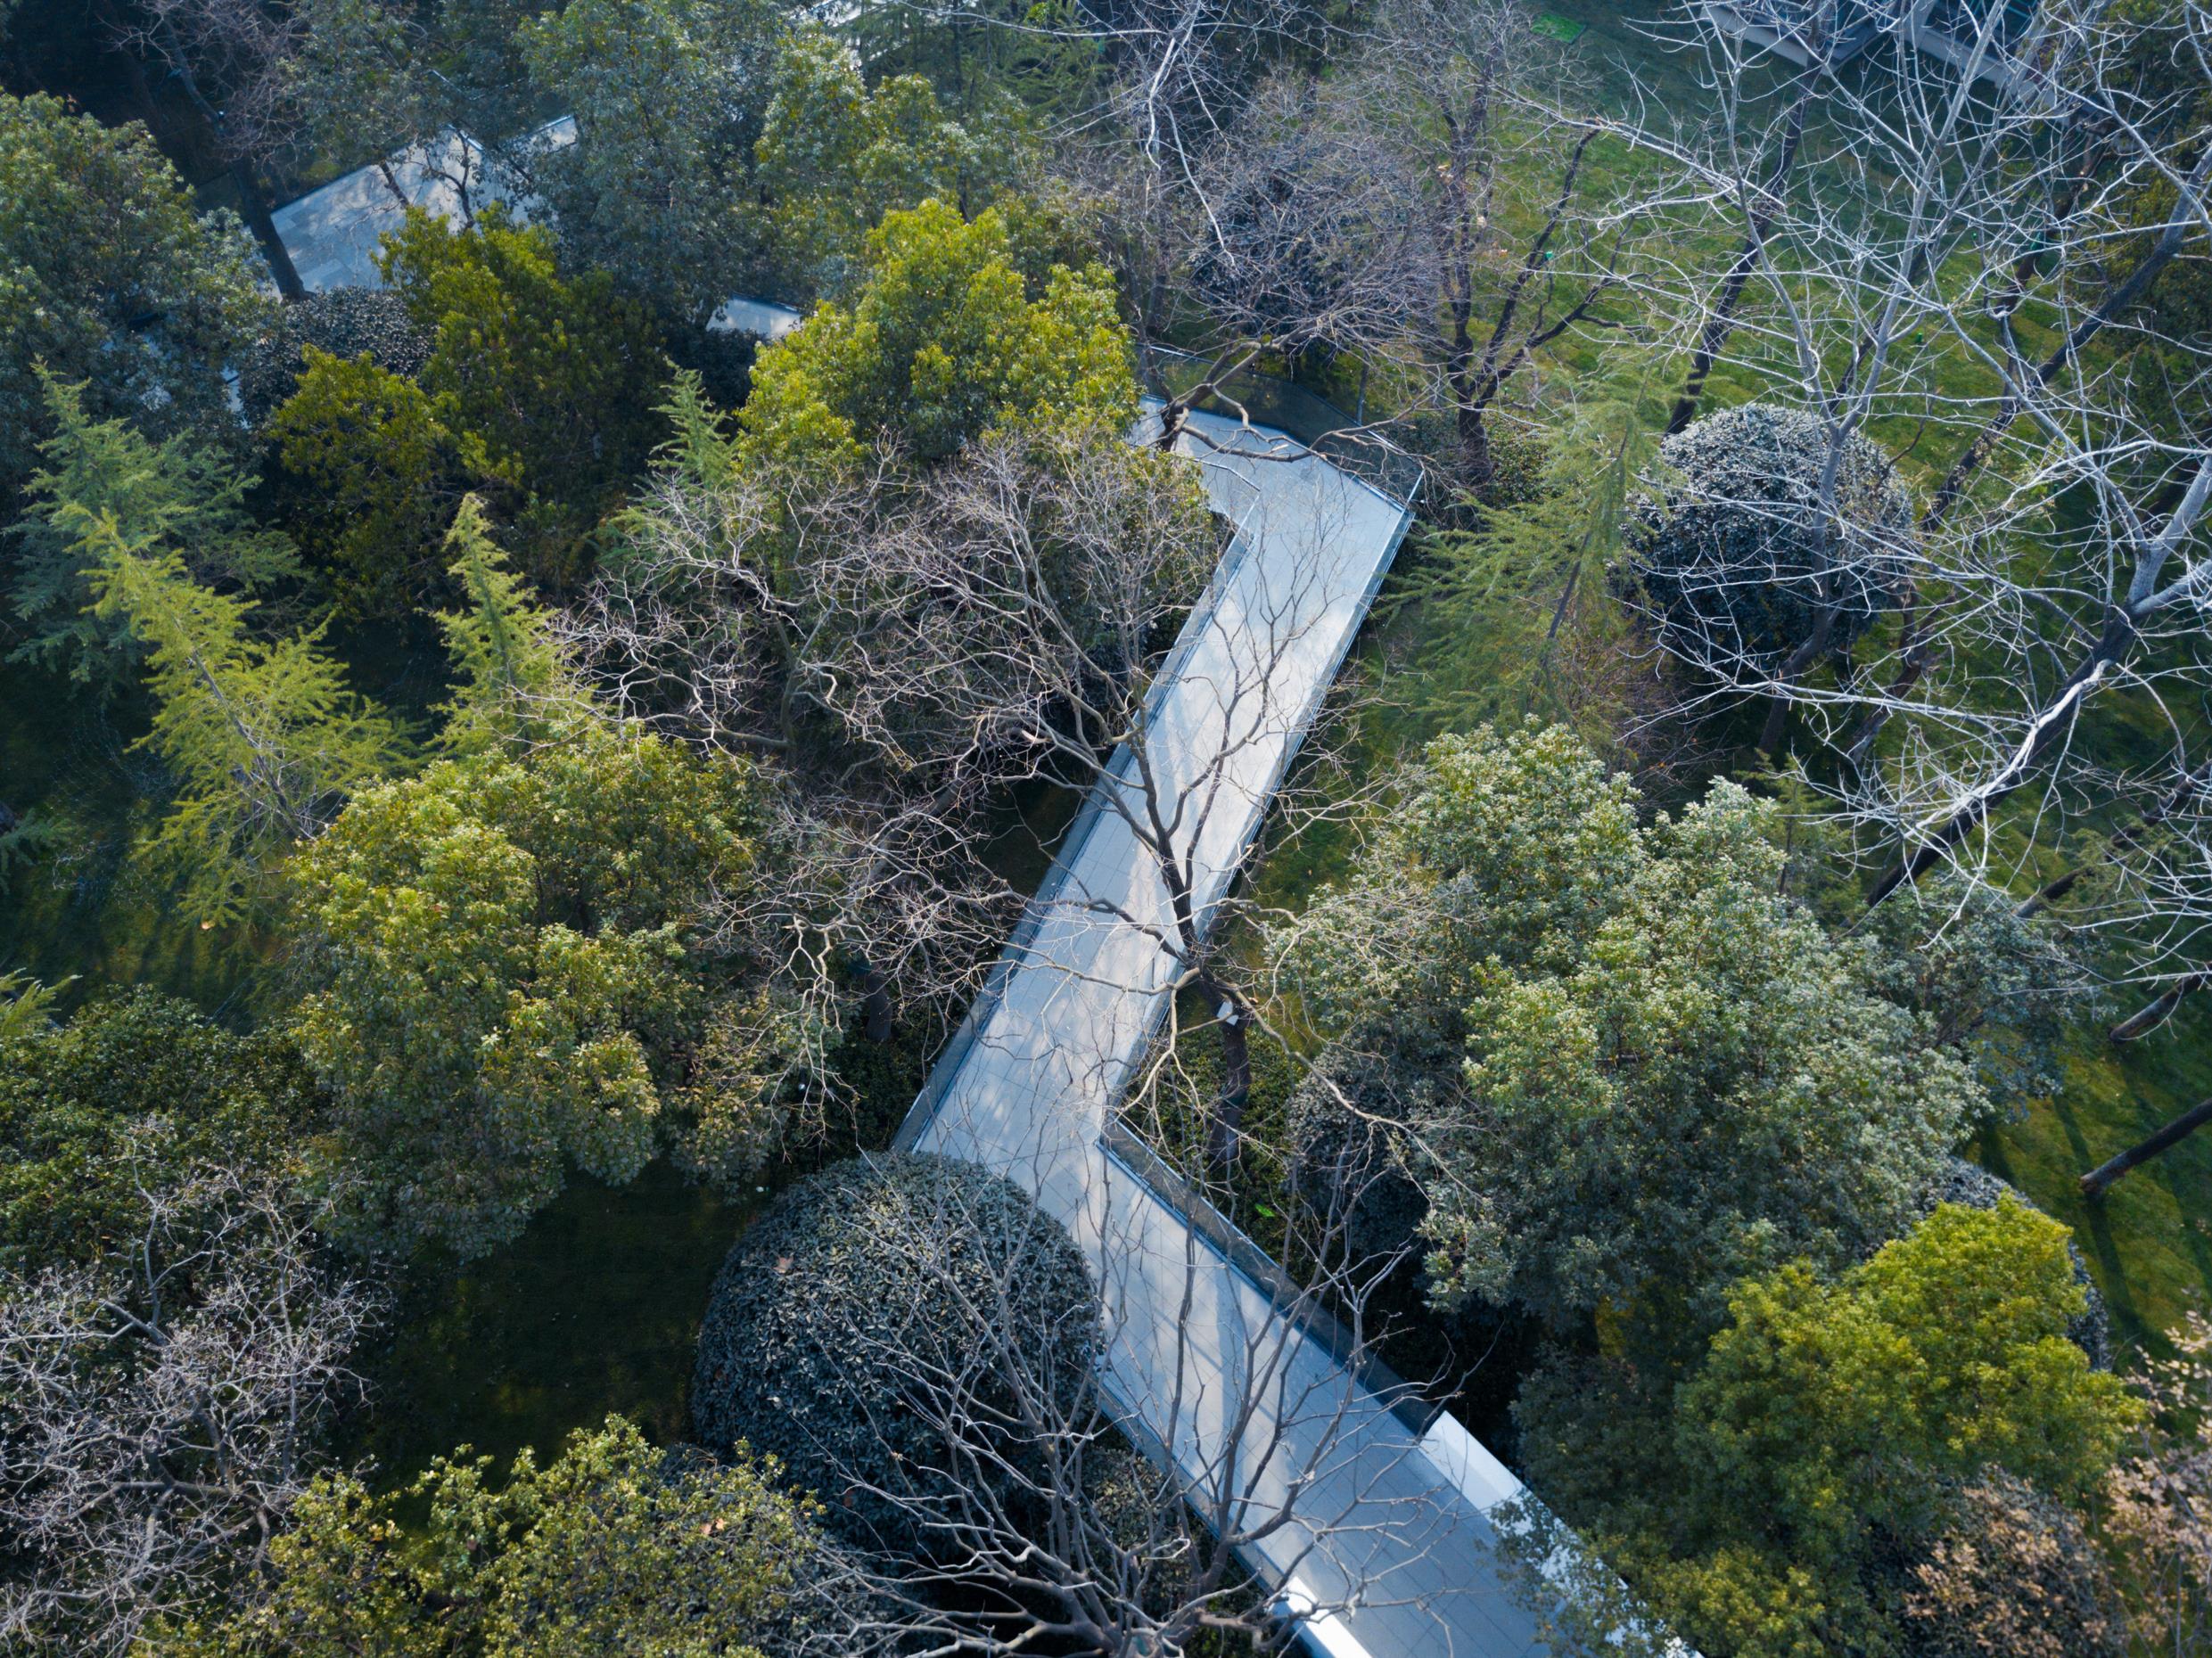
(1031, 1081)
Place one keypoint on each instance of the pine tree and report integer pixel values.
(264, 739)
(515, 688)
(184, 497)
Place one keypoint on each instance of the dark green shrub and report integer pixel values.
(347, 323)
(1730, 542)
(875, 1301)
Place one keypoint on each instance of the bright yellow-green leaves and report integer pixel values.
(264, 740)
(504, 946)
(554, 378)
(605, 1549)
(939, 344)
(1830, 1410)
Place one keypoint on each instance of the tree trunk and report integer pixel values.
(250, 192)
(1720, 322)
(264, 228)
(2097, 1179)
(1225, 1125)
(2156, 1011)
(874, 1006)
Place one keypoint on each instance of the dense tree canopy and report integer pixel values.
(835, 155)
(555, 378)
(514, 979)
(667, 96)
(612, 1546)
(941, 341)
(1759, 520)
(1834, 1420)
(1517, 908)
(1672, 1076)
(134, 1091)
(110, 278)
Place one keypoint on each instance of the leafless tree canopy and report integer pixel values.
(159, 1413)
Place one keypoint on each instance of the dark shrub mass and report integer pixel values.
(346, 323)
(1731, 546)
(877, 1301)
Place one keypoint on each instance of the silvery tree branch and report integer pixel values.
(1959, 272)
(160, 1412)
(1045, 611)
(1106, 1486)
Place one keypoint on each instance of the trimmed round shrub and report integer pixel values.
(345, 322)
(848, 1319)
(1729, 542)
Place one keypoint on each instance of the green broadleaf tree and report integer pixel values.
(605, 1548)
(835, 155)
(555, 379)
(667, 97)
(517, 979)
(373, 476)
(939, 344)
(112, 281)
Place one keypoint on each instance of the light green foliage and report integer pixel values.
(263, 738)
(1507, 847)
(555, 379)
(136, 1088)
(607, 1549)
(361, 78)
(97, 235)
(513, 688)
(1707, 1092)
(185, 498)
(1835, 1424)
(507, 984)
(667, 96)
(1673, 1076)
(372, 476)
(941, 343)
(836, 156)
(2001, 988)
(1519, 609)
(26, 1005)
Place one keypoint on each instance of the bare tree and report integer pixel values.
(1128, 1481)
(229, 57)
(160, 1412)
(1481, 118)
(1955, 271)
(912, 650)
